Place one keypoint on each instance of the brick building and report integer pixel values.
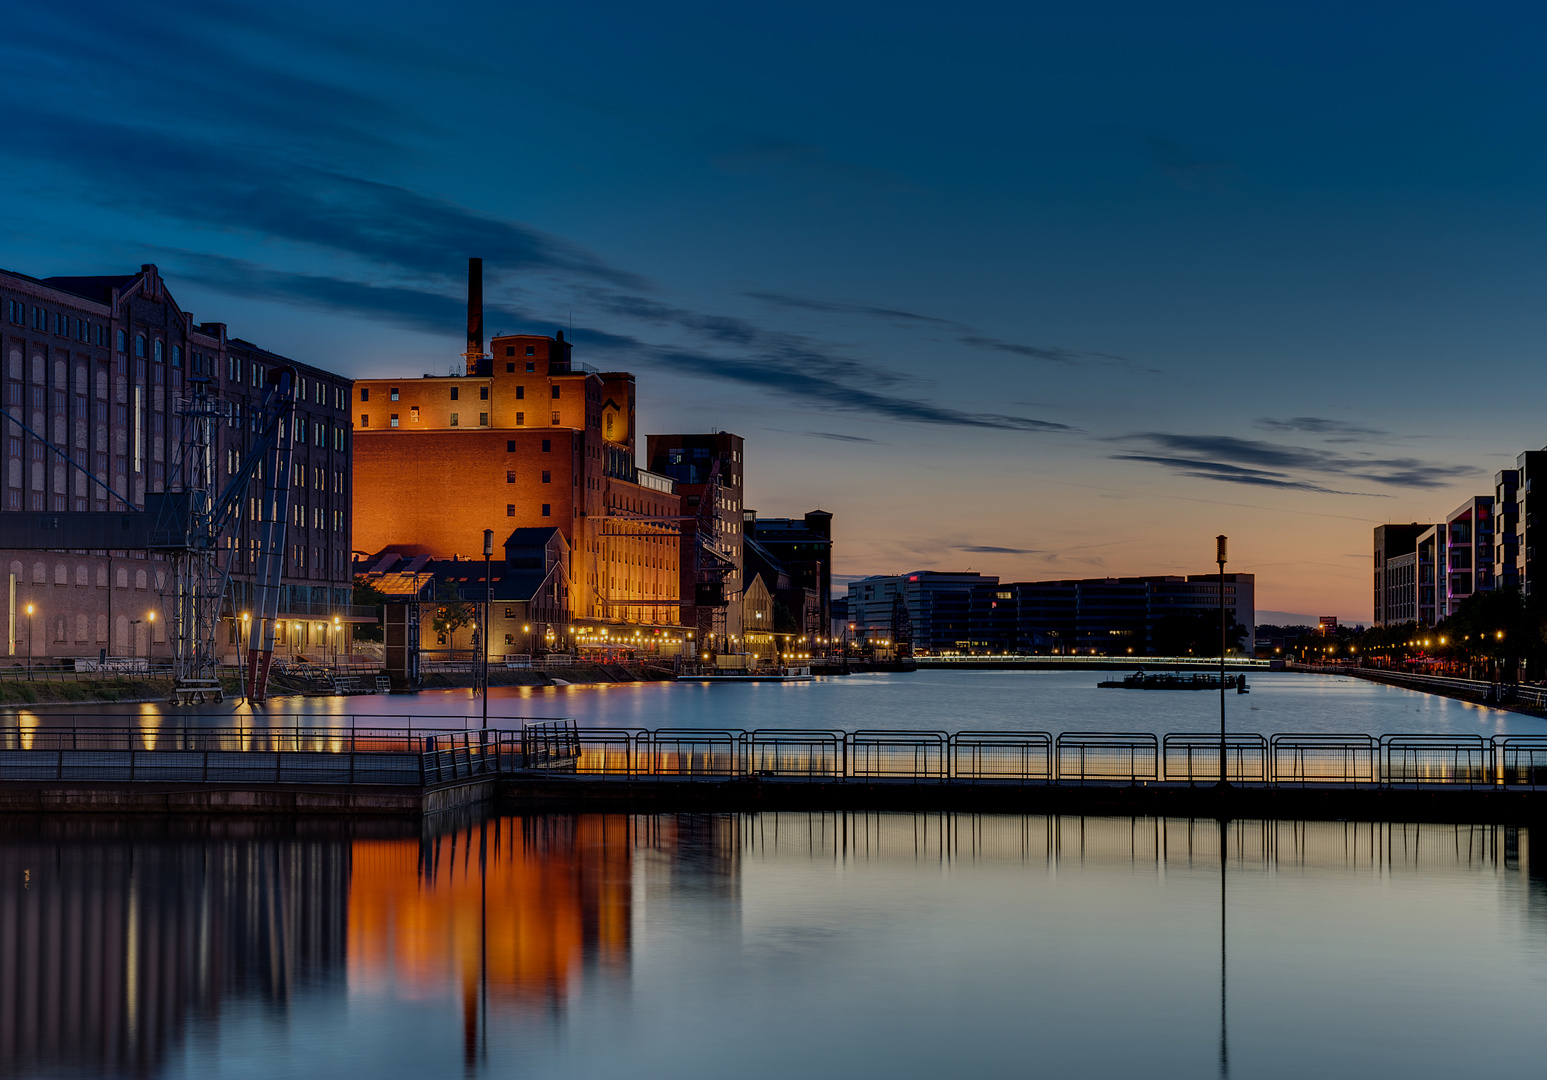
(528, 439)
(707, 470)
(100, 366)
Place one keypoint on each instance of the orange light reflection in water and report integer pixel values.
(518, 906)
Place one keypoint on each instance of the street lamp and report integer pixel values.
(150, 637)
(1219, 556)
(488, 603)
(29, 642)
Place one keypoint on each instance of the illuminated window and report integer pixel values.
(394, 419)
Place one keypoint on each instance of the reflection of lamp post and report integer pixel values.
(29, 642)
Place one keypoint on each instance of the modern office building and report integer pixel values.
(104, 368)
(1464, 563)
(1506, 525)
(1396, 572)
(1530, 517)
(973, 613)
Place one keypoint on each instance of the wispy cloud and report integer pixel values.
(1316, 425)
(837, 437)
(963, 333)
(1264, 464)
(988, 549)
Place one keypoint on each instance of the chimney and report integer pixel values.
(476, 364)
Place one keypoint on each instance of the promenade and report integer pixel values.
(558, 765)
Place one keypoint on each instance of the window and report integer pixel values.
(392, 393)
(531, 350)
(510, 350)
(520, 393)
(546, 510)
(556, 393)
(555, 420)
(122, 338)
(177, 356)
(510, 477)
(510, 368)
(139, 344)
(365, 420)
(547, 445)
(510, 446)
(510, 509)
(483, 393)
(453, 419)
(520, 419)
(393, 421)
(483, 419)
(547, 477)
(413, 413)
(531, 366)
(158, 352)
(454, 390)
(365, 393)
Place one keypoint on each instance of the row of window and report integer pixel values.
(393, 393)
(58, 322)
(510, 509)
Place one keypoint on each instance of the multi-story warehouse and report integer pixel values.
(529, 438)
(708, 472)
(102, 368)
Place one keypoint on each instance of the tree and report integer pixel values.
(1195, 634)
(452, 613)
(368, 595)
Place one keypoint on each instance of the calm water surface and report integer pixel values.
(882, 945)
(935, 700)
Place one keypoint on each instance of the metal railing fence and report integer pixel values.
(411, 754)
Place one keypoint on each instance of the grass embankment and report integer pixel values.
(43, 691)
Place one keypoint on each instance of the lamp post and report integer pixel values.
(488, 605)
(1219, 555)
(29, 642)
(134, 644)
(150, 637)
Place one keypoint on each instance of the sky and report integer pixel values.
(1038, 290)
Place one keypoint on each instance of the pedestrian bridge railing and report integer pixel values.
(1072, 757)
(431, 757)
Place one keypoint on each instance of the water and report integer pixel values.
(1051, 701)
(882, 945)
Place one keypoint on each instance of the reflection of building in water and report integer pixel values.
(111, 941)
(507, 912)
(1340, 845)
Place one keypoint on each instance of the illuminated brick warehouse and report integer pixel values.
(528, 438)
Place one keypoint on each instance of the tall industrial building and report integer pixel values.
(528, 438)
(707, 469)
(102, 368)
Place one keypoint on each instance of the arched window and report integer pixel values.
(121, 341)
(177, 356)
(139, 344)
(159, 354)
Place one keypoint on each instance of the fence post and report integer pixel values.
(206, 763)
(59, 771)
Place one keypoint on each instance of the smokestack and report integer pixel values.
(474, 314)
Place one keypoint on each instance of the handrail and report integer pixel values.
(366, 755)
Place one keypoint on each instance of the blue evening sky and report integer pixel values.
(1040, 290)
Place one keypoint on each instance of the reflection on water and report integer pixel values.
(1051, 701)
(670, 945)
